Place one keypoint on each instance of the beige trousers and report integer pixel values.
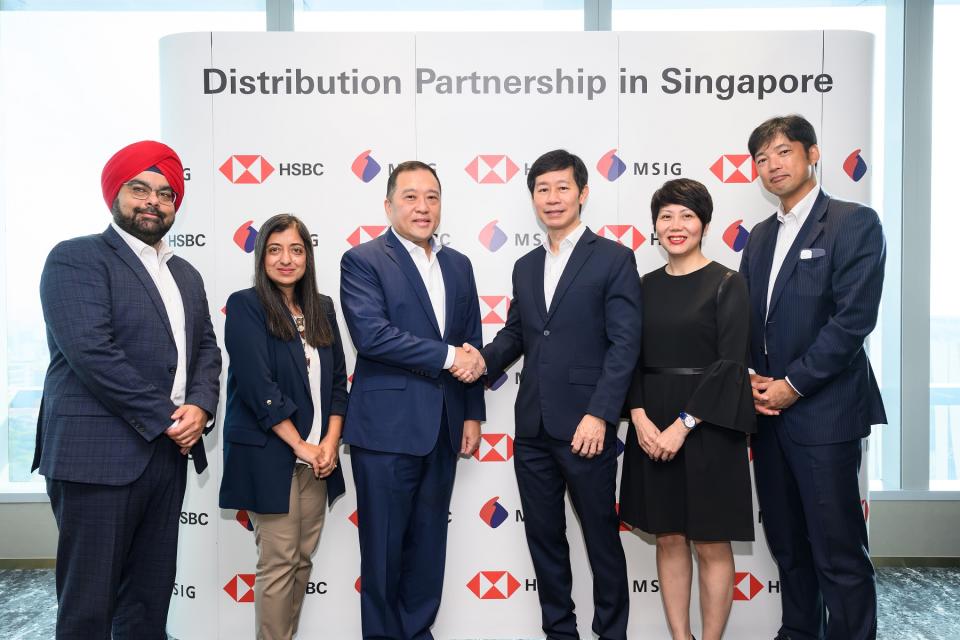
(285, 544)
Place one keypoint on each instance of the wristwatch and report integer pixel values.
(688, 420)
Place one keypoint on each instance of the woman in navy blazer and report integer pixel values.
(286, 398)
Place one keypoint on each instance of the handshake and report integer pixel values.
(468, 364)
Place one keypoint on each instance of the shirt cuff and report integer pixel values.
(797, 391)
(451, 356)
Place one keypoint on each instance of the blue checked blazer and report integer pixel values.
(106, 396)
(824, 304)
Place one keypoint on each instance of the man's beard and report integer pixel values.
(151, 235)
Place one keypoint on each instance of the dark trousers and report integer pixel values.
(546, 469)
(403, 505)
(117, 551)
(810, 504)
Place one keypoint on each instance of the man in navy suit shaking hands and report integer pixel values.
(815, 274)
(133, 382)
(410, 304)
(575, 319)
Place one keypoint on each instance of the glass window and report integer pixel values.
(945, 231)
(76, 86)
(439, 15)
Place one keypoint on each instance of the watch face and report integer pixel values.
(688, 421)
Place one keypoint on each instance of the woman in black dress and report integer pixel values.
(686, 475)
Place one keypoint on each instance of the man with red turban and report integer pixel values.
(133, 382)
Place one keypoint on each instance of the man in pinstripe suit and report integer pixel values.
(815, 274)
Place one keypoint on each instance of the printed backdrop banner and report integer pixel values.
(313, 124)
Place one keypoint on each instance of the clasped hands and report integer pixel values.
(468, 364)
(658, 445)
(188, 423)
(770, 396)
(321, 457)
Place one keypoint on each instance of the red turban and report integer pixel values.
(137, 158)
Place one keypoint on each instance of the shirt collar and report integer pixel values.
(800, 210)
(163, 252)
(571, 240)
(435, 246)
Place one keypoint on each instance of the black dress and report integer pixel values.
(695, 321)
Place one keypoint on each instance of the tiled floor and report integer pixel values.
(915, 604)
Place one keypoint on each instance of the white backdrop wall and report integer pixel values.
(255, 146)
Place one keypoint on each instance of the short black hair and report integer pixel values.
(684, 192)
(557, 160)
(794, 128)
(409, 165)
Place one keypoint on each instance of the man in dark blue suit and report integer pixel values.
(409, 303)
(815, 274)
(575, 319)
(134, 379)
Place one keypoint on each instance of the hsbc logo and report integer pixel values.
(745, 586)
(734, 168)
(494, 447)
(366, 232)
(493, 585)
(865, 505)
(493, 309)
(625, 234)
(255, 169)
(240, 587)
(353, 517)
(492, 169)
(246, 169)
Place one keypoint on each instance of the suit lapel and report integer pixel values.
(399, 254)
(189, 313)
(537, 285)
(811, 228)
(449, 289)
(581, 252)
(767, 245)
(125, 253)
(296, 349)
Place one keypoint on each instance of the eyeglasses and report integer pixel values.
(141, 192)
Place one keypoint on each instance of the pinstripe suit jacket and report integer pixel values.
(823, 306)
(106, 396)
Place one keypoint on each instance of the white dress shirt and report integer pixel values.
(313, 375)
(432, 276)
(790, 224)
(555, 263)
(155, 262)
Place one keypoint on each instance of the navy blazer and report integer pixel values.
(824, 305)
(399, 384)
(580, 354)
(267, 383)
(106, 396)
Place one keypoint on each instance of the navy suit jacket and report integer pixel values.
(824, 304)
(579, 355)
(399, 384)
(106, 396)
(267, 383)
